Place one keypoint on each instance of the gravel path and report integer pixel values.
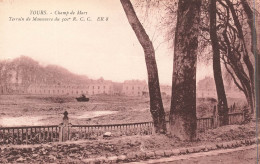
(241, 155)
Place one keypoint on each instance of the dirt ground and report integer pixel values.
(128, 109)
(80, 150)
(236, 157)
(46, 110)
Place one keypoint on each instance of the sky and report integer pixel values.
(107, 49)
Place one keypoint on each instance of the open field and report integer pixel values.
(44, 110)
(101, 109)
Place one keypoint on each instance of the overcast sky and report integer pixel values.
(109, 49)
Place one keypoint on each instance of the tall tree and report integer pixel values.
(234, 49)
(254, 49)
(183, 121)
(222, 100)
(245, 54)
(156, 105)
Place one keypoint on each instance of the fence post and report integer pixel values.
(215, 117)
(64, 128)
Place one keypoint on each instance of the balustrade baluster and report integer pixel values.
(4, 136)
(26, 136)
(30, 138)
(8, 136)
(48, 135)
(22, 136)
(40, 135)
(44, 136)
(13, 135)
(85, 132)
(55, 133)
(81, 132)
(51, 134)
(18, 135)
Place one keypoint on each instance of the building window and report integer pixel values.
(133, 88)
(104, 87)
(98, 87)
(93, 87)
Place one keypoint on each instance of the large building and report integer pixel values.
(91, 87)
(207, 88)
(140, 88)
(94, 87)
(134, 88)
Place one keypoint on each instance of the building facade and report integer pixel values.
(140, 88)
(94, 87)
(206, 88)
(134, 88)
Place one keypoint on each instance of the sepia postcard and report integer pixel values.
(129, 81)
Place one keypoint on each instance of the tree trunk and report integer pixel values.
(237, 66)
(156, 105)
(183, 120)
(246, 58)
(222, 100)
(252, 25)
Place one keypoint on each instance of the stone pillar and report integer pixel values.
(64, 128)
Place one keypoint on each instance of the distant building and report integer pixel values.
(140, 88)
(94, 87)
(134, 88)
(100, 86)
(12, 89)
(206, 88)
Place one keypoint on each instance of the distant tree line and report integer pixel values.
(25, 71)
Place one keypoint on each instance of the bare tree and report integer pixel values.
(183, 121)
(254, 49)
(222, 100)
(234, 49)
(156, 105)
